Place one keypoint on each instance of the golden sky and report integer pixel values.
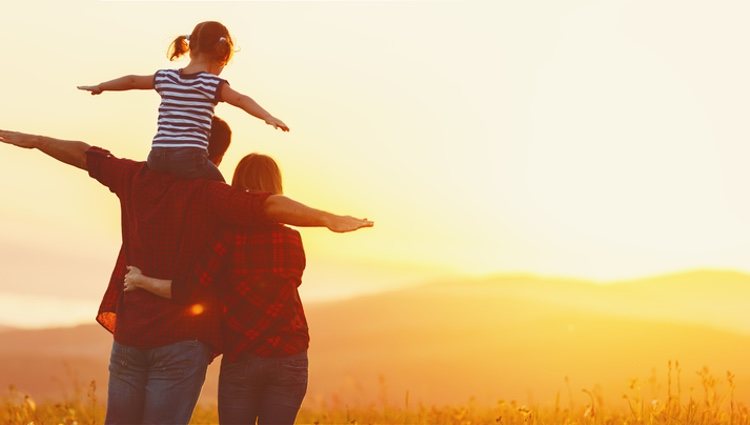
(601, 140)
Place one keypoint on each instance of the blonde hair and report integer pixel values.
(258, 173)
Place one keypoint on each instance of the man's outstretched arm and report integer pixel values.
(67, 151)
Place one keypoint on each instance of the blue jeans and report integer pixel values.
(187, 163)
(155, 386)
(268, 388)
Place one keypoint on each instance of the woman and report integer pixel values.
(255, 272)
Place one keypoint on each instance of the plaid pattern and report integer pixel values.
(256, 274)
(107, 315)
(167, 222)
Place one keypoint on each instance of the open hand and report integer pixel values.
(93, 89)
(346, 223)
(132, 278)
(277, 124)
(15, 138)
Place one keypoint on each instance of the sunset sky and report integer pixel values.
(596, 140)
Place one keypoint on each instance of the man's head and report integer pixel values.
(218, 141)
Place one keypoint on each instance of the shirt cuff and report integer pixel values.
(94, 157)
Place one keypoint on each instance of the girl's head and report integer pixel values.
(209, 39)
(258, 173)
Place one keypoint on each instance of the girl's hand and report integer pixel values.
(132, 278)
(277, 123)
(97, 89)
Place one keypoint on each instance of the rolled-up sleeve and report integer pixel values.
(236, 206)
(108, 170)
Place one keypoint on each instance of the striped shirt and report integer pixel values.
(187, 107)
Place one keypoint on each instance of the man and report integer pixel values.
(162, 347)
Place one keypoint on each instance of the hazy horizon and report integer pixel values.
(81, 310)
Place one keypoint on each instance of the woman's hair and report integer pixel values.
(258, 173)
(209, 38)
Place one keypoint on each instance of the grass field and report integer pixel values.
(713, 404)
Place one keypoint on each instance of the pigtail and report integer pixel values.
(178, 47)
(209, 38)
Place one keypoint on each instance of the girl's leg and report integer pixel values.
(187, 163)
(210, 171)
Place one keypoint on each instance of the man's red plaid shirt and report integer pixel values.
(167, 225)
(256, 273)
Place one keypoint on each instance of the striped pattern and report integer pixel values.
(187, 107)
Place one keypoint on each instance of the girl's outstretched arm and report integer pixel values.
(247, 104)
(128, 82)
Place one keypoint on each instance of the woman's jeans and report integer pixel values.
(155, 386)
(187, 163)
(269, 388)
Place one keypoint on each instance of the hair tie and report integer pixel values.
(223, 39)
(187, 37)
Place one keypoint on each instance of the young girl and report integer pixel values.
(188, 98)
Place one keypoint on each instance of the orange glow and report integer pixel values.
(544, 179)
(519, 337)
(197, 309)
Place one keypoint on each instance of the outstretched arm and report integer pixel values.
(67, 151)
(288, 211)
(128, 82)
(135, 279)
(247, 104)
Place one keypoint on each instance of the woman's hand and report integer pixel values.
(133, 278)
(347, 223)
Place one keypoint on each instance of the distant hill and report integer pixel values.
(505, 337)
(705, 297)
(518, 337)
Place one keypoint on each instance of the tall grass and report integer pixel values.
(711, 404)
(82, 408)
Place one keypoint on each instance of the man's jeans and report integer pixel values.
(269, 388)
(155, 386)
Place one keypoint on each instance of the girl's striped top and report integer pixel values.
(187, 107)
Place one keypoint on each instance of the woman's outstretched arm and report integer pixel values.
(288, 211)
